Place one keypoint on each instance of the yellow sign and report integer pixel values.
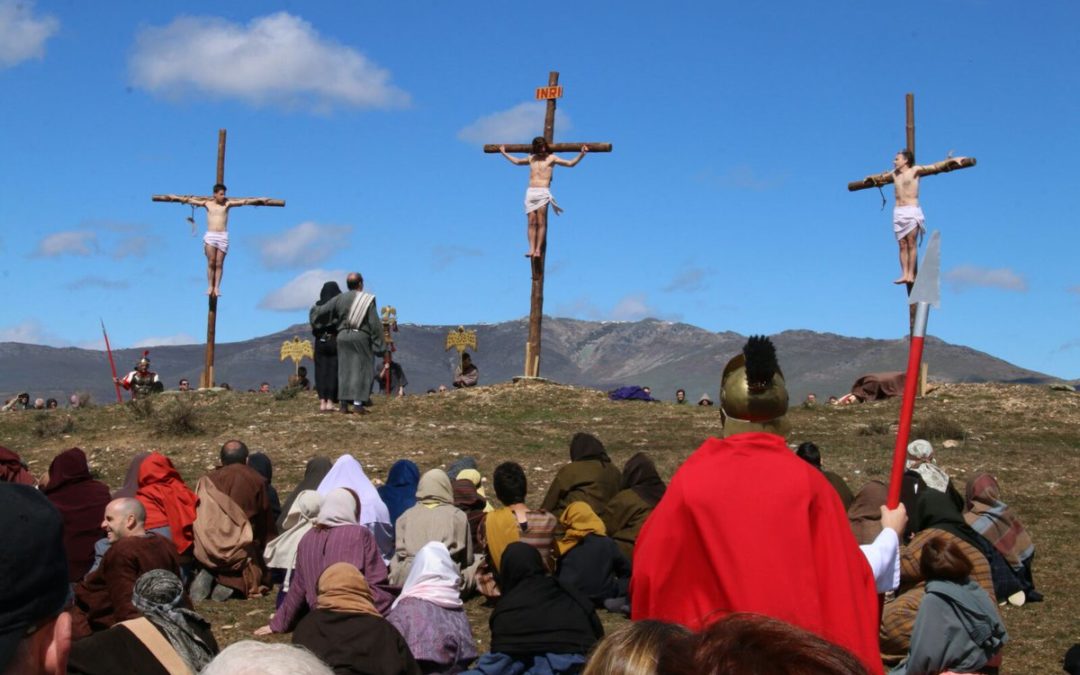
(544, 93)
(296, 349)
(460, 339)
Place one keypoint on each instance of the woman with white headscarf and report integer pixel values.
(347, 472)
(280, 553)
(429, 613)
(336, 537)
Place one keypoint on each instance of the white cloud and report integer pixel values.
(23, 35)
(276, 59)
(444, 255)
(30, 332)
(306, 244)
(90, 282)
(632, 307)
(971, 276)
(167, 340)
(519, 124)
(301, 292)
(76, 242)
(688, 280)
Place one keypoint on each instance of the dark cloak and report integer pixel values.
(399, 493)
(314, 472)
(640, 475)
(81, 500)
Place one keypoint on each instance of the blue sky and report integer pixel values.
(736, 128)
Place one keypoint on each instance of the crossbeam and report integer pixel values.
(251, 201)
(553, 147)
(886, 177)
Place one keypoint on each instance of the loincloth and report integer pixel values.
(218, 240)
(906, 219)
(537, 198)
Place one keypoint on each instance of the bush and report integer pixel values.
(141, 408)
(874, 428)
(937, 427)
(286, 393)
(177, 417)
(49, 424)
(85, 399)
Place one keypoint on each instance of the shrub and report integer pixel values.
(286, 393)
(873, 428)
(49, 424)
(937, 427)
(141, 408)
(177, 417)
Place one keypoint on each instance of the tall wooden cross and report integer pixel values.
(879, 179)
(207, 378)
(536, 303)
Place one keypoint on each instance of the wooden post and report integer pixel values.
(536, 296)
(909, 100)
(924, 377)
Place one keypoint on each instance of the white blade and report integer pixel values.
(928, 282)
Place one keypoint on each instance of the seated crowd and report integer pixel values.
(751, 556)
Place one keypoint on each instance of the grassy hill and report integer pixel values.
(1028, 436)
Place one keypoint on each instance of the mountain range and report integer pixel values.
(660, 354)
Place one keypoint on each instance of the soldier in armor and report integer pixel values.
(142, 381)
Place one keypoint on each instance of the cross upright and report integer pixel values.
(536, 304)
(217, 212)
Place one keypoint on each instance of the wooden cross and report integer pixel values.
(536, 302)
(207, 378)
(879, 179)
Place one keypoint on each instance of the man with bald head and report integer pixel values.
(103, 597)
(355, 314)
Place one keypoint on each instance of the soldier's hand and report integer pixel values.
(894, 519)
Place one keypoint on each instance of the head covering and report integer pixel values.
(314, 472)
(338, 508)
(995, 521)
(33, 565)
(578, 521)
(168, 500)
(864, 514)
(12, 469)
(586, 446)
(433, 577)
(472, 476)
(159, 595)
(705, 398)
(459, 465)
(640, 475)
(935, 510)
(131, 478)
(262, 465)
(399, 493)
(435, 488)
(920, 458)
(81, 500)
(536, 614)
(342, 588)
(330, 290)
(753, 394)
(347, 472)
(281, 551)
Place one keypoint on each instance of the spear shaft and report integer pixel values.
(112, 364)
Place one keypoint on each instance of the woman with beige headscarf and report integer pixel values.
(433, 518)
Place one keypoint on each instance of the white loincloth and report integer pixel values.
(537, 198)
(218, 240)
(905, 219)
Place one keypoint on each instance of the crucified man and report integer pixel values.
(216, 239)
(538, 196)
(908, 219)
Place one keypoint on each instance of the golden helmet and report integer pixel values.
(753, 395)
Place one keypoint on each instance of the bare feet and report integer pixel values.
(209, 290)
(217, 292)
(529, 254)
(904, 280)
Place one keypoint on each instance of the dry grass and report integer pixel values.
(1028, 437)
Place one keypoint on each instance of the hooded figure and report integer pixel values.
(347, 472)
(589, 477)
(265, 468)
(81, 500)
(589, 560)
(399, 493)
(314, 472)
(641, 491)
(326, 360)
(12, 469)
(168, 501)
(280, 553)
(433, 518)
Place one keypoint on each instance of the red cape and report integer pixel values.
(168, 500)
(746, 526)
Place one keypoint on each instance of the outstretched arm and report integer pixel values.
(945, 165)
(514, 160)
(182, 199)
(574, 161)
(253, 201)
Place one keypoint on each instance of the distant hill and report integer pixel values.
(658, 354)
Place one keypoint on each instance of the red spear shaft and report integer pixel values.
(923, 294)
(112, 364)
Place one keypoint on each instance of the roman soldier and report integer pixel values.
(142, 381)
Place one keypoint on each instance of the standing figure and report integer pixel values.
(216, 239)
(538, 196)
(908, 219)
(326, 361)
(142, 381)
(355, 317)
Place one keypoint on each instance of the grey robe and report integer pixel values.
(357, 345)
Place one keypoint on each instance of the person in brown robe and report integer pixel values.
(103, 598)
(248, 575)
(641, 491)
(81, 500)
(589, 477)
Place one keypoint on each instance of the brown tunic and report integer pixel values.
(103, 598)
(589, 480)
(247, 489)
(627, 512)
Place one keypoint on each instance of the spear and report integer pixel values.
(112, 364)
(925, 292)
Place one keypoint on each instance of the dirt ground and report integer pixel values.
(1029, 437)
